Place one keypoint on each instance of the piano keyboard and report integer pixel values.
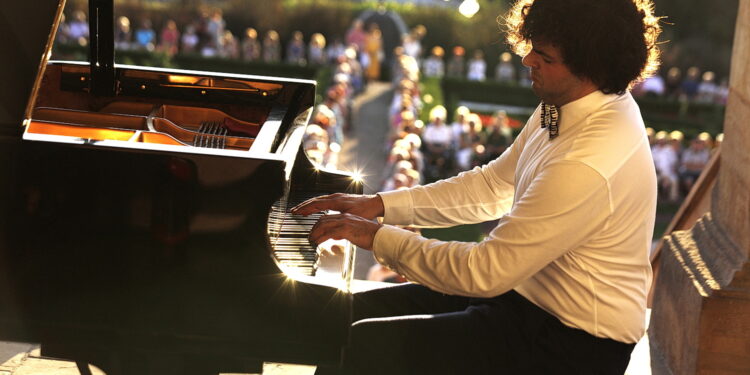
(288, 236)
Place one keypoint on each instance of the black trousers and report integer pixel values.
(409, 329)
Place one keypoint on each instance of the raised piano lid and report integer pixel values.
(289, 100)
(26, 27)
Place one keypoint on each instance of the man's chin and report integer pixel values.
(537, 91)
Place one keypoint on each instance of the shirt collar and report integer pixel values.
(573, 112)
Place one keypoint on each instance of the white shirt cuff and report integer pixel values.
(398, 207)
(387, 243)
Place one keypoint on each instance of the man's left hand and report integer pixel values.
(359, 231)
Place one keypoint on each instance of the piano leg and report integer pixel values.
(83, 368)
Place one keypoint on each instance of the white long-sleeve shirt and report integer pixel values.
(576, 221)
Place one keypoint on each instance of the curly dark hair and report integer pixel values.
(611, 42)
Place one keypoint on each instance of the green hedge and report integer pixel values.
(430, 88)
(658, 113)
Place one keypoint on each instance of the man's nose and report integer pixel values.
(529, 60)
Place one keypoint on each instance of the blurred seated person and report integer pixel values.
(316, 49)
(469, 139)
(675, 140)
(412, 45)
(123, 33)
(314, 132)
(413, 144)
(316, 151)
(433, 66)
(505, 71)
(189, 40)
(718, 141)
(230, 47)
(437, 136)
(672, 82)
(271, 47)
(295, 50)
(145, 36)
(169, 38)
(497, 136)
(404, 119)
(251, 45)
(412, 152)
(459, 125)
(413, 177)
(78, 28)
(689, 85)
(63, 31)
(398, 181)
(326, 119)
(456, 63)
(477, 67)
(665, 161)
(707, 88)
(694, 159)
(335, 50)
(407, 95)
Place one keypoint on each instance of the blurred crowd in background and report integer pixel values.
(680, 161)
(208, 36)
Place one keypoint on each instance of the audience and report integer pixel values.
(677, 169)
(208, 36)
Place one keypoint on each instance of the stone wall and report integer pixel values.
(733, 209)
(701, 310)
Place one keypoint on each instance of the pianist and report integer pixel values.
(560, 285)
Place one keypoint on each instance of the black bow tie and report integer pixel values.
(551, 119)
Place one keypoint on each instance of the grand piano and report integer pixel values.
(144, 223)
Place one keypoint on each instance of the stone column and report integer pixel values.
(700, 321)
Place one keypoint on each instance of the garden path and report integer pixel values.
(364, 148)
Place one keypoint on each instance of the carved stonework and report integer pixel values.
(707, 255)
(697, 321)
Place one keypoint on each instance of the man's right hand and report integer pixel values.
(365, 206)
